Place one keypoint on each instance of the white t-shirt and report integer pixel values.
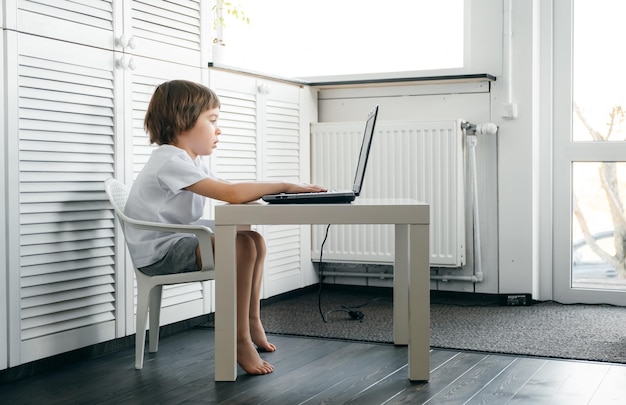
(158, 195)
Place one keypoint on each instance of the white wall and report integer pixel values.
(3, 229)
(515, 164)
(524, 213)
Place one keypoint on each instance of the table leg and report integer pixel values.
(225, 303)
(401, 286)
(419, 303)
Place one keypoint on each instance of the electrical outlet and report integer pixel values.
(509, 110)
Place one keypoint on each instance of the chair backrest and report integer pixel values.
(117, 192)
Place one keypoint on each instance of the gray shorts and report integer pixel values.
(181, 258)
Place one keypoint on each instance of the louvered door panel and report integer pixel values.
(261, 140)
(282, 160)
(282, 137)
(66, 147)
(236, 157)
(88, 22)
(182, 301)
(237, 154)
(170, 30)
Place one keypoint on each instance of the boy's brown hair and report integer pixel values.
(175, 107)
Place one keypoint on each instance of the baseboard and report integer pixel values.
(85, 353)
(436, 296)
(469, 298)
(384, 291)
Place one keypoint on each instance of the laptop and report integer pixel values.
(335, 196)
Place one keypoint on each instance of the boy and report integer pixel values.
(182, 119)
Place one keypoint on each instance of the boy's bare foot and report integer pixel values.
(259, 338)
(248, 358)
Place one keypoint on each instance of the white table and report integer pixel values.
(411, 309)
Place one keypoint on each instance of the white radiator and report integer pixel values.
(421, 160)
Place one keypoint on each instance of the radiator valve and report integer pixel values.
(488, 128)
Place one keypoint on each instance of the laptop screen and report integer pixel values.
(365, 151)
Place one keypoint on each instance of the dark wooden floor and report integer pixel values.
(316, 371)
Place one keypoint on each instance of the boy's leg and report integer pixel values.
(247, 356)
(256, 327)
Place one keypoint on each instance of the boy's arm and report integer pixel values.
(238, 193)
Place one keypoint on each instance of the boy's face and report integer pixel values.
(201, 140)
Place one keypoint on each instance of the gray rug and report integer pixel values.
(546, 329)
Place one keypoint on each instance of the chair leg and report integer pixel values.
(155, 317)
(143, 295)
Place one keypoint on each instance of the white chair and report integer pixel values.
(149, 288)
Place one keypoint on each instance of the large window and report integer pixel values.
(313, 38)
(599, 102)
(599, 82)
(589, 152)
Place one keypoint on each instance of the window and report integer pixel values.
(599, 83)
(318, 38)
(589, 152)
(599, 100)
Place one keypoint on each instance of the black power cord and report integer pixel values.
(321, 271)
(354, 314)
(352, 311)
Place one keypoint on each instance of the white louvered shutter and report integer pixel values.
(170, 30)
(86, 22)
(260, 123)
(62, 258)
(73, 120)
(236, 158)
(169, 44)
(282, 148)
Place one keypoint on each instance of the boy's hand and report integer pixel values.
(304, 188)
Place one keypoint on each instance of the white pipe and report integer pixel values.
(508, 40)
(509, 107)
(356, 274)
(452, 277)
(333, 273)
(472, 140)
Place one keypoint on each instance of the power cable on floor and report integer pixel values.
(353, 310)
(321, 271)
